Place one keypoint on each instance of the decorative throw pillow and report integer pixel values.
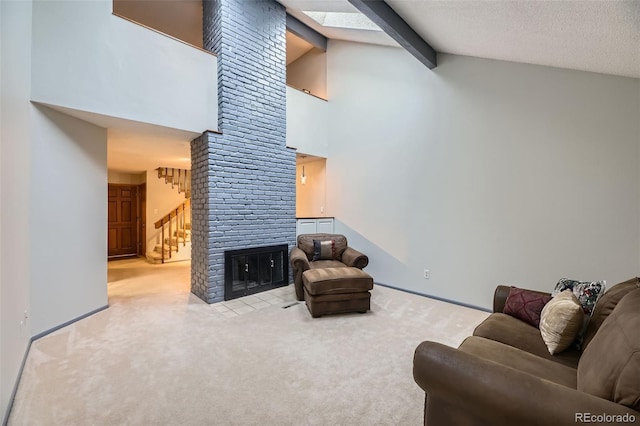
(560, 321)
(324, 250)
(587, 293)
(525, 305)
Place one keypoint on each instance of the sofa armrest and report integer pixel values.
(501, 294)
(299, 264)
(354, 258)
(500, 297)
(491, 393)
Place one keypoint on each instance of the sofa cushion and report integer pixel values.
(305, 243)
(561, 321)
(605, 306)
(520, 360)
(513, 332)
(320, 264)
(610, 365)
(525, 305)
(336, 281)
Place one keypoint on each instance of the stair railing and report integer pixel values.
(179, 177)
(179, 216)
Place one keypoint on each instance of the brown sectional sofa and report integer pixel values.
(504, 374)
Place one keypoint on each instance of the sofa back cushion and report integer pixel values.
(605, 306)
(610, 366)
(305, 243)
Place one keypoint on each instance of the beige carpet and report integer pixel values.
(160, 356)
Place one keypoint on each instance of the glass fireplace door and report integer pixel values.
(252, 270)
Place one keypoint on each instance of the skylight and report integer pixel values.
(349, 20)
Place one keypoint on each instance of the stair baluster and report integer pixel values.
(177, 241)
(184, 229)
(170, 238)
(162, 224)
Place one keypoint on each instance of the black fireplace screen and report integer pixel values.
(253, 270)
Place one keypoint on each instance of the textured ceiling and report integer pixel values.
(600, 36)
(147, 147)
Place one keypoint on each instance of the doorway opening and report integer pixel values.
(149, 227)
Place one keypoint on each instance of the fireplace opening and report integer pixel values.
(252, 270)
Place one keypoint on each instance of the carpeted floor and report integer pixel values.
(160, 356)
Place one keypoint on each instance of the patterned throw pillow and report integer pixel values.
(560, 321)
(587, 293)
(324, 250)
(525, 305)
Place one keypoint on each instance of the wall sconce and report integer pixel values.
(303, 176)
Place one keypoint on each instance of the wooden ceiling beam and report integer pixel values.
(391, 23)
(307, 33)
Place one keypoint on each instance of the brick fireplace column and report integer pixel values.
(243, 179)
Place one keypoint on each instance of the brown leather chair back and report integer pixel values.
(305, 243)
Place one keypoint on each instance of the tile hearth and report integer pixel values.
(244, 305)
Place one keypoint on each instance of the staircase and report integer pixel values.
(175, 249)
(179, 177)
(173, 241)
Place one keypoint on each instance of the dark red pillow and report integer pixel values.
(525, 305)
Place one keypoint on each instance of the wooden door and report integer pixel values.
(123, 226)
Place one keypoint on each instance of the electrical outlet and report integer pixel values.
(426, 274)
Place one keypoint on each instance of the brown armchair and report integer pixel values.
(302, 257)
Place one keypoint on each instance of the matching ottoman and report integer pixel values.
(336, 290)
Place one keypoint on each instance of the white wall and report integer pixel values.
(15, 134)
(1, 109)
(307, 123)
(309, 72)
(485, 172)
(1, 319)
(87, 59)
(161, 198)
(68, 218)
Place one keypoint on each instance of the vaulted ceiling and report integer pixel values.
(590, 35)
